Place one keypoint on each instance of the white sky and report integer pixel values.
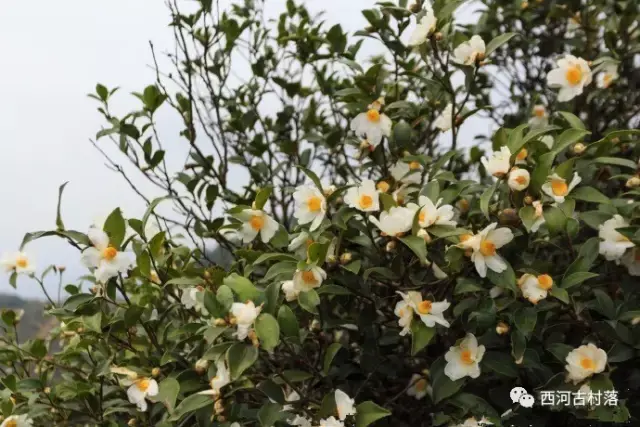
(54, 53)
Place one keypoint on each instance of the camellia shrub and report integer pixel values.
(443, 234)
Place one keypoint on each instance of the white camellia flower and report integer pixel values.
(311, 206)
(404, 311)
(331, 422)
(17, 421)
(613, 244)
(300, 421)
(18, 262)
(290, 290)
(424, 28)
(140, 389)
(402, 193)
(519, 179)
(571, 76)
(432, 214)
(430, 312)
(535, 288)
(473, 422)
(418, 387)
(221, 379)
(470, 52)
(539, 118)
(407, 173)
(107, 260)
(300, 244)
(484, 246)
(538, 215)
(364, 197)
(254, 222)
(499, 163)
(309, 278)
(372, 124)
(395, 222)
(344, 404)
(444, 121)
(245, 315)
(548, 141)
(193, 297)
(557, 187)
(585, 361)
(631, 260)
(608, 75)
(464, 359)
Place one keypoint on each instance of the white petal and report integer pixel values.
(99, 238)
(91, 257)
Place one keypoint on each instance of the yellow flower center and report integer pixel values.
(487, 248)
(559, 187)
(421, 385)
(365, 201)
(11, 423)
(109, 253)
(587, 363)
(521, 179)
(539, 112)
(257, 222)
(22, 262)
(309, 278)
(465, 357)
(373, 116)
(142, 384)
(422, 216)
(522, 154)
(414, 165)
(383, 186)
(314, 203)
(574, 75)
(545, 281)
(465, 237)
(424, 307)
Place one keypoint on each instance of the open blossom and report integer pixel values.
(311, 206)
(519, 179)
(17, 421)
(585, 361)
(309, 278)
(372, 124)
(484, 246)
(344, 404)
(464, 359)
(140, 389)
(300, 244)
(245, 315)
(257, 222)
(18, 262)
(300, 421)
(363, 197)
(290, 290)
(331, 422)
(418, 387)
(221, 379)
(395, 222)
(193, 297)
(430, 312)
(608, 75)
(571, 76)
(535, 288)
(631, 260)
(613, 244)
(499, 163)
(432, 214)
(539, 117)
(538, 215)
(404, 311)
(407, 173)
(444, 121)
(470, 52)
(107, 260)
(425, 27)
(557, 187)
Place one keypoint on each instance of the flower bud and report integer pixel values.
(579, 148)
(315, 325)
(346, 258)
(463, 205)
(524, 5)
(615, 140)
(519, 360)
(528, 200)
(61, 268)
(424, 234)
(201, 366)
(635, 320)
(94, 289)
(155, 372)
(207, 274)
(220, 322)
(218, 406)
(391, 246)
(633, 182)
(47, 390)
(132, 422)
(508, 216)
(438, 36)
(383, 186)
(502, 328)
(415, 7)
(331, 259)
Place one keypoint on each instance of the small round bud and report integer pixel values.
(524, 5)
(61, 268)
(53, 410)
(633, 182)
(519, 360)
(438, 36)
(635, 320)
(502, 328)
(219, 406)
(201, 366)
(426, 372)
(391, 246)
(579, 148)
(458, 119)
(415, 8)
(528, 200)
(615, 140)
(463, 205)
(345, 258)
(424, 235)
(383, 186)
(132, 422)
(414, 165)
(133, 330)
(220, 322)
(232, 320)
(207, 274)
(80, 330)
(480, 57)
(331, 259)
(155, 372)
(94, 289)
(315, 325)
(508, 216)
(47, 390)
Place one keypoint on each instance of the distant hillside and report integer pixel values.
(32, 321)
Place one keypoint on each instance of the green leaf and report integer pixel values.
(501, 363)
(116, 227)
(242, 287)
(559, 350)
(516, 141)
(518, 344)
(421, 336)
(368, 412)
(577, 278)
(486, 198)
(604, 304)
(93, 323)
(505, 279)
(560, 293)
(448, 8)
(168, 391)
(528, 216)
(418, 246)
(241, 357)
(150, 209)
(525, 320)
(317, 252)
(262, 197)
(498, 41)
(191, 404)
(268, 331)
(442, 386)
(272, 390)
(309, 301)
(269, 413)
(573, 120)
(616, 161)
(213, 306)
(594, 218)
(329, 355)
(312, 176)
(387, 201)
(589, 194)
(185, 281)
(431, 190)
(59, 223)
(288, 322)
(555, 219)
(567, 138)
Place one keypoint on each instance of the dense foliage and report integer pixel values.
(395, 260)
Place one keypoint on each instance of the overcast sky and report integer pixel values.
(54, 53)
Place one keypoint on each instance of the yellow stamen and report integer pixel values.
(373, 116)
(109, 253)
(522, 154)
(487, 248)
(421, 385)
(142, 384)
(522, 180)
(383, 186)
(22, 262)
(465, 237)
(365, 201)
(309, 278)
(559, 187)
(574, 75)
(539, 112)
(422, 216)
(11, 423)
(414, 165)
(257, 222)
(545, 281)
(424, 307)
(314, 203)
(465, 357)
(587, 363)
